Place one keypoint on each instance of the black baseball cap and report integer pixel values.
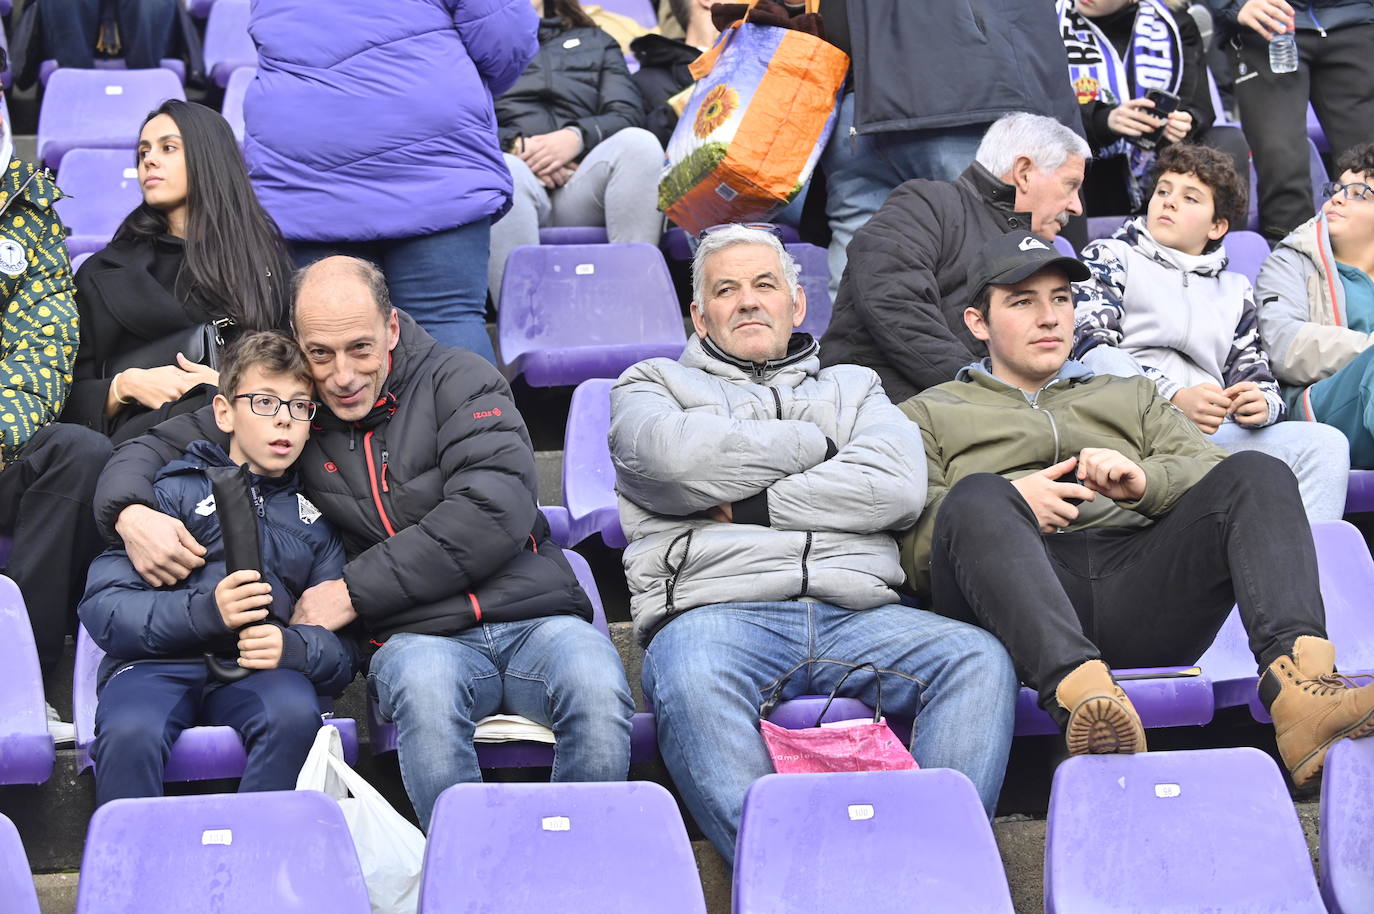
(1014, 256)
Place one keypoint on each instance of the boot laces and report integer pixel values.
(1330, 683)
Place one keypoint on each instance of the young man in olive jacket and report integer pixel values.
(419, 456)
(1086, 521)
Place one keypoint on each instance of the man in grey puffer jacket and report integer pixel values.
(758, 494)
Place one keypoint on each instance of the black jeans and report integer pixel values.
(1133, 597)
(45, 506)
(1335, 72)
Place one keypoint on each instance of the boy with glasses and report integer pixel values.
(160, 676)
(1316, 308)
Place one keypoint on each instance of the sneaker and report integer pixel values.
(1102, 719)
(1313, 706)
(62, 733)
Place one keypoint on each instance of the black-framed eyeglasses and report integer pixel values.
(1355, 190)
(268, 405)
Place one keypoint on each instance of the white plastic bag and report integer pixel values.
(390, 849)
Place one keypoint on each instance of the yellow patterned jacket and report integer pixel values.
(40, 323)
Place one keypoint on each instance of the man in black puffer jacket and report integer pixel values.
(421, 459)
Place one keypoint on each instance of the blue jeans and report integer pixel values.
(439, 279)
(558, 671)
(708, 671)
(861, 170)
(146, 31)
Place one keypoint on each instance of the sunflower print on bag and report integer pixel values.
(715, 110)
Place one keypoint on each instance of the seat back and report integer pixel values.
(228, 46)
(1064, 246)
(232, 109)
(26, 749)
(1347, 827)
(101, 188)
(279, 851)
(508, 848)
(1104, 226)
(815, 280)
(99, 109)
(588, 474)
(1199, 830)
(1246, 252)
(16, 883)
(871, 842)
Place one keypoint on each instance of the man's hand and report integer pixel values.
(1205, 404)
(1111, 474)
(260, 647)
(1046, 495)
(160, 547)
(241, 598)
(1133, 117)
(1268, 17)
(547, 153)
(327, 605)
(725, 513)
(1177, 126)
(1248, 404)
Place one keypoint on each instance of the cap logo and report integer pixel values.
(1032, 244)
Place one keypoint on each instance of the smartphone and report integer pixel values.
(1166, 103)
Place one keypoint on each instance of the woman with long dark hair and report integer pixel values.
(198, 250)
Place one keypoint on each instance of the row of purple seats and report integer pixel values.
(100, 187)
(15, 882)
(228, 46)
(96, 109)
(173, 65)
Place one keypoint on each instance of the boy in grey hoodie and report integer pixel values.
(1165, 306)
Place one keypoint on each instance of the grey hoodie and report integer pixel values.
(818, 465)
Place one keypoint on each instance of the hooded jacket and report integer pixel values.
(981, 424)
(900, 307)
(133, 621)
(1184, 317)
(433, 491)
(1302, 312)
(662, 74)
(818, 465)
(374, 121)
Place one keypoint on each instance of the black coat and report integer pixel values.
(662, 73)
(900, 308)
(578, 78)
(445, 462)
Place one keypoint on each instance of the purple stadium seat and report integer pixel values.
(873, 842)
(228, 46)
(232, 109)
(643, 738)
(1315, 132)
(199, 754)
(102, 188)
(78, 260)
(641, 11)
(1347, 827)
(1359, 492)
(1197, 830)
(515, 848)
(26, 749)
(1246, 252)
(1222, 118)
(559, 523)
(574, 234)
(1163, 699)
(588, 476)
(676, 245)
(815, 280)
(1104, 226)
(1064, 246)
(48, 67)
(99, 109)
(16, 883)
(576, 311)
(288, 852)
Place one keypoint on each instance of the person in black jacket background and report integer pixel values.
(572, 128)
(422, 460)
(663, 78)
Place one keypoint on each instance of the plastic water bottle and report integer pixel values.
(1283, 53)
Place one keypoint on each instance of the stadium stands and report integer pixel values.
(99, 109)
(26, 749)
(16, 884)
(101, 188)
(1347, 828)
(172, 64)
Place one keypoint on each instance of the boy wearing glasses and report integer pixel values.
(156, 679)
(1316, 309)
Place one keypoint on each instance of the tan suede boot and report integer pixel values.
(1102, 719)
(1313, 705)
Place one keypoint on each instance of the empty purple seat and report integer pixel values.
(1347, 827)
(574, 234)
(99, 109)
(1200, 830)
(199, 754)
(287, 852)
(588, 476)
(577, 311)
(16, 883)
(869, 842)
(26, 749)
(1246, 252)
(1104, 226)
(232, 109)
(174, 64)
(228, 46)
(815, 281)
(103, 188)
(516, 848)
(1359, 492)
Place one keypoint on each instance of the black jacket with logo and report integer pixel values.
(434, 492)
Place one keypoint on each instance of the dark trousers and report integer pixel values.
(144, 707)
(1335, 72)
(1133, 597)
(45, 506)
(146, 30)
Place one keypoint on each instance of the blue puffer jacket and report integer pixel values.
(374, 120)
(132, 621)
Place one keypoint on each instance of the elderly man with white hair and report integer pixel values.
(901, 302)
(758, 492)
